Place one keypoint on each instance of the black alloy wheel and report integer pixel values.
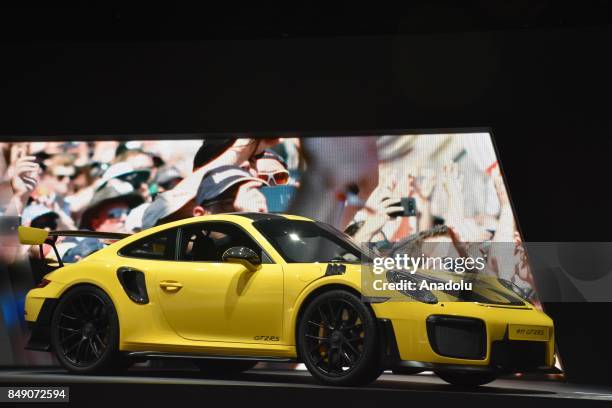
(337, 340)
(85, 331)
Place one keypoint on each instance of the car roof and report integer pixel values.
(256, 216)
(237, 217)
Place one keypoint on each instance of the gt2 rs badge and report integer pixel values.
(267, 338)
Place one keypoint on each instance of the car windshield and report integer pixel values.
(307, 241)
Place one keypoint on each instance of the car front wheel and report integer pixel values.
(338, 340)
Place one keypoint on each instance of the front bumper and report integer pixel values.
(465, 336)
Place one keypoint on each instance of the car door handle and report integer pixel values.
(170, 285)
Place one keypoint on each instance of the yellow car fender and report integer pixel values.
(305, 295)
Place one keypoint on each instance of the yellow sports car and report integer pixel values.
(227, 291)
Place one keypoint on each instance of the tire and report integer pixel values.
(224, 367)
(407, 371)
(85, 332)
(466, 379)
(338, 340)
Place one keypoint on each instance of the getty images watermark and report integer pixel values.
(434, 270)
(423, 278)
(381, 266)
(440, 271)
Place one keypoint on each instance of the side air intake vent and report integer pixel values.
(133, 282)
(335, 269)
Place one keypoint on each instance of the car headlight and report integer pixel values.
(422, 295)
(514, 289)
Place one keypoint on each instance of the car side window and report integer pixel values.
(207, 241)
(159, 246)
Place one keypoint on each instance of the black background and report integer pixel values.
(536, 73)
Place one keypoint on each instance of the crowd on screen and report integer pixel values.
(355, 183)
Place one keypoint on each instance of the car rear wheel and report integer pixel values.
(224, 367)
(85, 332)
(338, 340)
(466, 379)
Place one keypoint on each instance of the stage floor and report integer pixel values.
(263, 387)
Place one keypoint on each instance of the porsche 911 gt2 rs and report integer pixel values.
(227, 291)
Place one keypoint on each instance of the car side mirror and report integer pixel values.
(244, 256)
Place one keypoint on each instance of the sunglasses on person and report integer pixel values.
(62, 177)
(278, 178)
(116, 213)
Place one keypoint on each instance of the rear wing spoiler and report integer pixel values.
(37, 236)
